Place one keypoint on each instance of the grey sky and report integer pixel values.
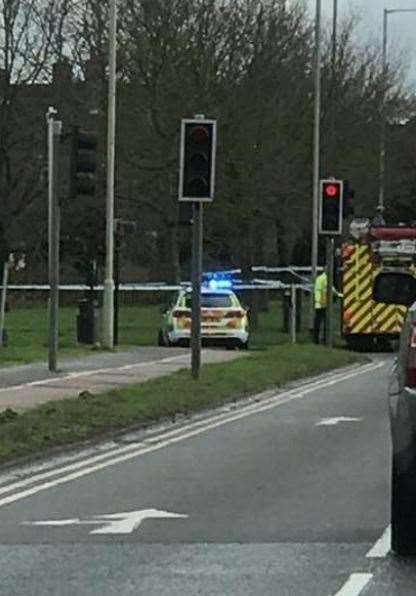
(402, 27)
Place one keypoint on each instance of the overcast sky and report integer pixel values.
(402, 27)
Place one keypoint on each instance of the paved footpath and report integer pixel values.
(25, 387)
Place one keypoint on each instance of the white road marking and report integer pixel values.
(57, 523)
(382, 547)
(89, 466)
(86, 373)
(335, 421)
(7, 488)
(130, 521)
(355, 584)
(112, 523)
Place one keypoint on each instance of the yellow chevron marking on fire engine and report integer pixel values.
(379, 308)
(359, 282)
(349, 274)
(388, 324)
(387, 319)
(364, 258)
(365, 281)
(365, 271)
(357, 287)
(350, 266)
(394, 327)
(384, 309)
(359, 314)
(363, 315)
(352, 286)
(363, 323)
(366, 310)
(362, 289)
(354, 305)
(366, 320)
(364, 294)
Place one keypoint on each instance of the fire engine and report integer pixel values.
(371, 249)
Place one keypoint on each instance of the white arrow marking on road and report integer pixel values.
(60, 522)
(113, 523)
(334, 421)
(125, 523)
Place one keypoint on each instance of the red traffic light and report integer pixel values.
(331, 190)
(199, 135)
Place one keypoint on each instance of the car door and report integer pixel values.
(399, 407)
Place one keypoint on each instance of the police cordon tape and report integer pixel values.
(258, 284)
(254, 284)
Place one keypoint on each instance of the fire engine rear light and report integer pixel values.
(181, 314)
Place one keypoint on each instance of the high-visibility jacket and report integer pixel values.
(320, 290)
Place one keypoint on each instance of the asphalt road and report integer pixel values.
(286, 495)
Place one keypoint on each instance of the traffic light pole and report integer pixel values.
(54, 135)
(329, 294)
(3, 303)
(196, 288)
(116, 282)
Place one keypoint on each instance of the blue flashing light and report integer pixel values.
(220, 284)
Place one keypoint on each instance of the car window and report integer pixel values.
(212, 301)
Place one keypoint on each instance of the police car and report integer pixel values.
(224, 322)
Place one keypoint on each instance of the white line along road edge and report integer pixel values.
(355, 584)
(94, 464)
(380, 549)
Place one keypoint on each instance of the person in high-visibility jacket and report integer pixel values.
(320, 295)
(320, 290)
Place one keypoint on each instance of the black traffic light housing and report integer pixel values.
(197, 160)
(330, 207)
(83, 162)
(348, 199)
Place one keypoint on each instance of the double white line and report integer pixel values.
(49, 479)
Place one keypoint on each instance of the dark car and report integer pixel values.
(400, 288)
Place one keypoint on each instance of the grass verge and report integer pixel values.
(139, 324)
(74, 420)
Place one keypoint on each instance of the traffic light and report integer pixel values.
(330, 207)
(197, 160)
(83, 162)
(348, 199)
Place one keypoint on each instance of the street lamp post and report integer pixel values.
(316, 154)
(108, 307)
(382, 156)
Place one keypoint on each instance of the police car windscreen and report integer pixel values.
(212, 301)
